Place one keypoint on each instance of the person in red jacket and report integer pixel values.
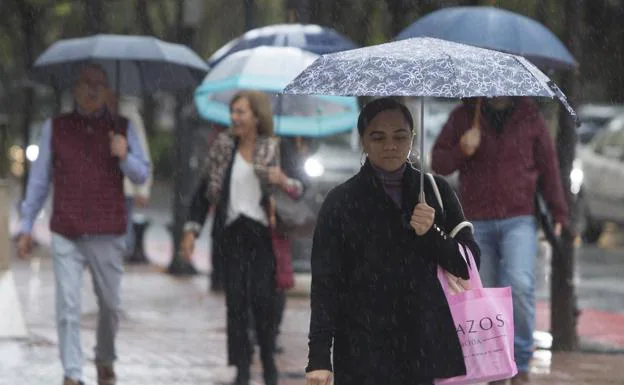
(504, 154)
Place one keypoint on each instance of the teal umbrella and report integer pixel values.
(270, 69)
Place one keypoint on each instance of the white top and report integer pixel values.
(245, 192)
(129, 108)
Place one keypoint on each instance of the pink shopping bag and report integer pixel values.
(484, 321)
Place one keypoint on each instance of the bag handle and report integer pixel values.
(460, 227)
(436, 191)
(473, 273)
(438, 196)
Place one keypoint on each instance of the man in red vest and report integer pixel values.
(85, 155)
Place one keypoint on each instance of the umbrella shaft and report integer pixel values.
(421, 196)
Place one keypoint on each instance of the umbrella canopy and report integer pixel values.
(269, 69)
(133, 63)
(494, 28)
(309, 37)
(425, 67)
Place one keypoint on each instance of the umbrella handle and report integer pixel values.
(476, 122)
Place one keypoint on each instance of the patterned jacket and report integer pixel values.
(214, 187)
(266, 154)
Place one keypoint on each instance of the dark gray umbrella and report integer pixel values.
(424, 67)
(135, 64)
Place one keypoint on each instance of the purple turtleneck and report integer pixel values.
(392, 182)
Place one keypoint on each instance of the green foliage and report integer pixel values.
(161, 151)
(63, 9)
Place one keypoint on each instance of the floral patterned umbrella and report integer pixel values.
(425, 67)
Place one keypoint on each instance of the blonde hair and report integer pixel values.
(260, 106)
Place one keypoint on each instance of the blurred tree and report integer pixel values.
(144, 20)
(29, 17)
(95, 16)
(297, 11)
(29, 26)
(541, 11)
(249, 14)
(185, 34)
(401, 14)
(564, 312)
(363, 21)
(603, 35)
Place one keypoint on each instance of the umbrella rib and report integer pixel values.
(453, 69)
(141, 78)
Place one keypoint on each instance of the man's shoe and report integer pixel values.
(106, 375)
(522, 378)
(70, 381)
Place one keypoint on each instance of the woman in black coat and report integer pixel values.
(375, 293)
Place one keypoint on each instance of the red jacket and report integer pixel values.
(499, 181)
(88, 182)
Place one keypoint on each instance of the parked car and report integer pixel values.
(594, 118)
(599, 177)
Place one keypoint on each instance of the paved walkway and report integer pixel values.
(173, 332)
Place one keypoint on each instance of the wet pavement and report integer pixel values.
(173, 332)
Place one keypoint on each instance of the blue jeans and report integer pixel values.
(508, 254)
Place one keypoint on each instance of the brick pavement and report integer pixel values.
(173, 332)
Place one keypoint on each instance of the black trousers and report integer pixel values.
(217, 274)
(249, 285)
(279, 310)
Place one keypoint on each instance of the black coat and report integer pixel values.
(375, 293)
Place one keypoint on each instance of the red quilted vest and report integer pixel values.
(88, 182)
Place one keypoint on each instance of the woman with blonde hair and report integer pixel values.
(242, 172)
